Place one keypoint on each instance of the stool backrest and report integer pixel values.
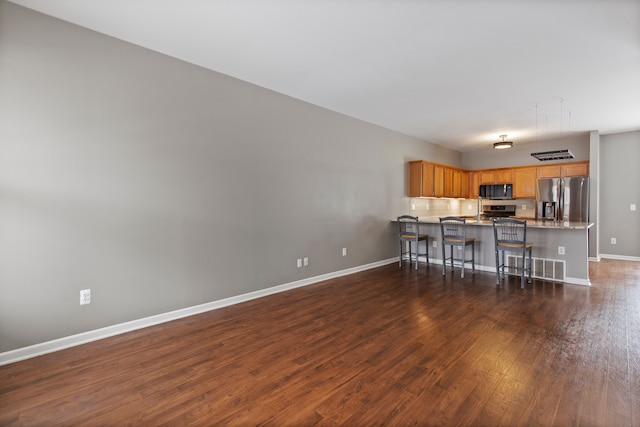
(453, 228)
(408, 227)
(509, 231)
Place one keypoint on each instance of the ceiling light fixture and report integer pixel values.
(503, 144)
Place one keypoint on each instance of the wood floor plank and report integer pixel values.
(391, 346)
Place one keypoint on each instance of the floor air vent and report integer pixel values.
(545, 269)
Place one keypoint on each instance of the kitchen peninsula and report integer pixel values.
(560, 249)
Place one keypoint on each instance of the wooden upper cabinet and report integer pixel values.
(524, 183)
(487, 177)
(551, 171)
(504, 176)
(496, 176)
(448, 182)
(569, 169)
(428, 179)
(474, 185)
(420, 179)
(438, 181)
(575, 169)
(415, 179)
(464, 185)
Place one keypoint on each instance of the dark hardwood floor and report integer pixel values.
(386, 346)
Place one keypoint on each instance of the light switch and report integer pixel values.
(633, 206)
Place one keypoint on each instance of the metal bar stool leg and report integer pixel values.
(497, 268)
(530, 265)
(473, 257)
(524, 255)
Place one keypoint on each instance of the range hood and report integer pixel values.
(544, 156)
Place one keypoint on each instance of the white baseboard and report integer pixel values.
(620, 257)
(109, 331)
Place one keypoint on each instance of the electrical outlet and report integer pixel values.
(435, 244)
(524, 207)
(613, 240)
(306, 261)
(413, 206)
(560, 250)
(299, 262)
(344, 251)
(632, 206)
(427, 206)
(85, 296)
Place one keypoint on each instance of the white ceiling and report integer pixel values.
(458, 73)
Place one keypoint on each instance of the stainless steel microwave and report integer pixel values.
(496, 191)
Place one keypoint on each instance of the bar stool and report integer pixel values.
(510, 235)
(454, 233)
(409, 231)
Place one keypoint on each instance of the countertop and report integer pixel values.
(532, 223)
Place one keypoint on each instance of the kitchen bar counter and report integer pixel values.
(531, 223)
(560, 249)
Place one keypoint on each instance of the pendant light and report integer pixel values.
(502, 144)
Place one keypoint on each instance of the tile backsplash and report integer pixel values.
(437, 207)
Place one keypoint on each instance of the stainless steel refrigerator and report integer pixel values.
(563, 199)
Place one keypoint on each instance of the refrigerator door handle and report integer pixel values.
(560, 214)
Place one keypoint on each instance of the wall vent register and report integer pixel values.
(545, 269)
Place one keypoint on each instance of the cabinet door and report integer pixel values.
(577, 169)
(524, 183)
(420, 179)
(448, 182)
(504, 176)
(415, 179)
(464, 185)
(487, 177)
(438, 181)
(427, 179)
(474, 185)
(549, 171)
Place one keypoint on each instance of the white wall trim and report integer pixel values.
(109, 331)
(577, 281)
(620, 257)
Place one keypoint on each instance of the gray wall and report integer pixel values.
(160, 185)
(619, 188)
(520, 154)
